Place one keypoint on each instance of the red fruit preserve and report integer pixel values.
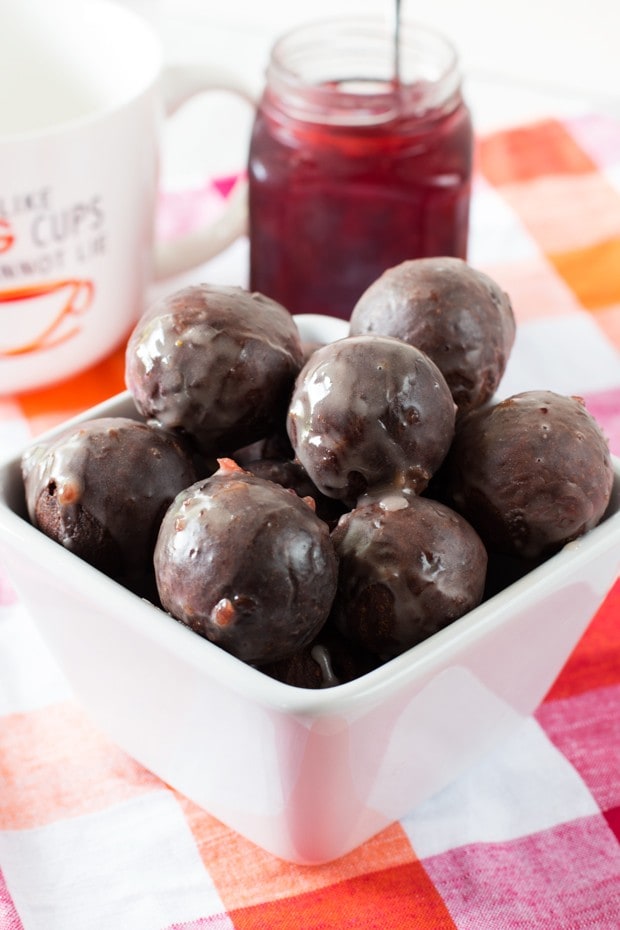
(354, 169)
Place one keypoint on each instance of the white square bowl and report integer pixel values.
(307, 775)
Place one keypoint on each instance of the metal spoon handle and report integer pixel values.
(396, 61)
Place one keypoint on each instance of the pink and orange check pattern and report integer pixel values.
(530, 837)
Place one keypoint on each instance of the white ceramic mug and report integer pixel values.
(81, 107)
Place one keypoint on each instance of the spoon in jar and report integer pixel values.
(396, 51)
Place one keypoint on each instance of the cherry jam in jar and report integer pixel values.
(355, 166)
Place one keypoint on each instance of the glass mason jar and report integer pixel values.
(352, 170)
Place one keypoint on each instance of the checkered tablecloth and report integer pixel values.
(529, 837)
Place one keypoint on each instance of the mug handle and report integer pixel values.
(179, 84)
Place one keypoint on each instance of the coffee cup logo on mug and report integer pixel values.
(80, 126)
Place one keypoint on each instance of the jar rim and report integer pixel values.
(316, 66)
